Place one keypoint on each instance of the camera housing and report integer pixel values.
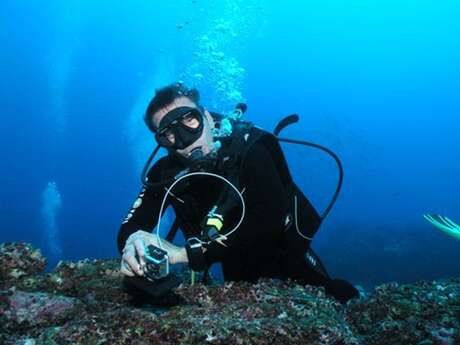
(157, 263)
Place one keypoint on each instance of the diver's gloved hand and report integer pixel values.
(444, 224)
(133, 259)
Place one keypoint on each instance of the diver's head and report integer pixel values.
(180, 124)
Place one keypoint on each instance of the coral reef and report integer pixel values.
(85, 303)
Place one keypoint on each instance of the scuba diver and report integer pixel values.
(233, 197)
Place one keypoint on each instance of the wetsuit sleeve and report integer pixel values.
(144, 212)
(264, 196)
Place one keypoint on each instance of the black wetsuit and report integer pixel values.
(258, 247)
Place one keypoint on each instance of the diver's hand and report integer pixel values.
(133, 259)
(176, 254)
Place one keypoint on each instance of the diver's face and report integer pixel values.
(205, 142)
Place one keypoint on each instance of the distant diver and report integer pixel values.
(444, 224)
(234, 200)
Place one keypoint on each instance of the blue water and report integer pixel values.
(376, 81)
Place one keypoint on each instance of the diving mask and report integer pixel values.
(180, 128)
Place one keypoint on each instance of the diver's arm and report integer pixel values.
(135, 231)
(264, 196)
(142, 216)
(144, 212)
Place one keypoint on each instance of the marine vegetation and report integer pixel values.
(84, 303)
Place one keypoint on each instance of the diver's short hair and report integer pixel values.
(166, 96)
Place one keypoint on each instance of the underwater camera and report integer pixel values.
(157, 280)
(157, 265)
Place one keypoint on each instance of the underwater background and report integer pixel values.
(378, 82)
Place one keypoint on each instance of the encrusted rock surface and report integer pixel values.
(84, 303)
(19, 259)
(422, 313)
(25, 310)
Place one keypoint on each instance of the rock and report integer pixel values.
(21, 310)
(18, 260)
(84, 303)
(409, 314)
